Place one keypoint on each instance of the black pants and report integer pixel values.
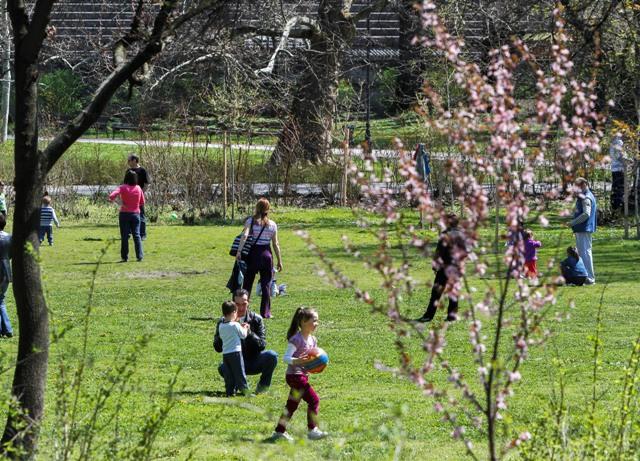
(143, 223)
(439, 284)
(617, 189)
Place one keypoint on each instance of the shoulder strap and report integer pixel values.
(261, 232)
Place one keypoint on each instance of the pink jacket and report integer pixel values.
(132, 197)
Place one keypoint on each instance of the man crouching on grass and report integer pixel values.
(257, 360)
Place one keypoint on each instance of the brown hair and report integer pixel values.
(131, 178)
(46, 200)
(302, 315)
(451, 219)
(572, 251)
(228, 307)
(262, 211)
(527, 233)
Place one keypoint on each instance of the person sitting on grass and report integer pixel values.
(231, 333)
(572, 268)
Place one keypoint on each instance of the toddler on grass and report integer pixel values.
(530, 254)
(231, 333)
(47, 218)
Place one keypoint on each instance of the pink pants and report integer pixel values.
(300, 389)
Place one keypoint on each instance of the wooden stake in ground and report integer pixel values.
(225, 141)
(345, 166)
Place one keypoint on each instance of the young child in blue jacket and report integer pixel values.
(573, 269)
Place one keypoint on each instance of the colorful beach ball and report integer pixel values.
(319, 361)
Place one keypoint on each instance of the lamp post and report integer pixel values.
(367, 133)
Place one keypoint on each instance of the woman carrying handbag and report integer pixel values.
(259, 259)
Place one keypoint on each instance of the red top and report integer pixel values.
(132, 197)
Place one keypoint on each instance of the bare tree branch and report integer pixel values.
(285, 36)
(163, 28)
(180, 66)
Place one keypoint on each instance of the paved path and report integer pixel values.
(355, 151)
(262, 189)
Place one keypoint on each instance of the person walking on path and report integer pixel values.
(618, 165)
(584, 224)
(6, 331)
(265, 232)
(143, 180)
(131, 197)
(257, 360)
(448, 262)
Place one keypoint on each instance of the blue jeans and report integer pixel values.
(583, 245)
(48, 231)
(5, 323)
(130, 224)
(264, 365)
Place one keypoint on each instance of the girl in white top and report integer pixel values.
(265, 232)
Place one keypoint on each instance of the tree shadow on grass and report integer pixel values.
(203, 393)
(93, 263)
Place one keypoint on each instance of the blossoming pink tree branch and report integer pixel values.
(510, 306)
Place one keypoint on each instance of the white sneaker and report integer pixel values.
(316, 434)
(281, 436)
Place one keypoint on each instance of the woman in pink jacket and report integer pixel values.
(131, 197)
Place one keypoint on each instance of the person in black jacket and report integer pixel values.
(448, 260)
(257, 360)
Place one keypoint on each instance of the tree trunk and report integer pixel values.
(6, 74)
(33, 347)
(410, 67)
(306, 133)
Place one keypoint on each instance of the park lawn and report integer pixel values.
(175, 294)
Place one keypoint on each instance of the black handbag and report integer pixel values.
(248, 243)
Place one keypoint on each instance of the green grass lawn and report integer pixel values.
(175, 294)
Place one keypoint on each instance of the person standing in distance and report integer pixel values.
(131, 199)
(143, 180)
(618, 159)
(584, 224)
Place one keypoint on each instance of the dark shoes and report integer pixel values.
(261, 389)
(424, 319)
(6, 335)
